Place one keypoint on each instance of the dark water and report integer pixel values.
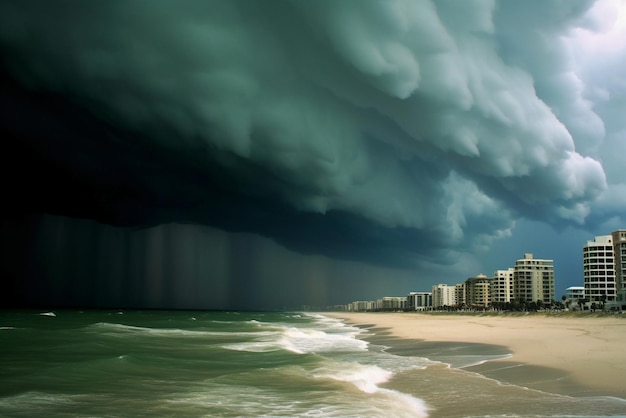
(236, 364)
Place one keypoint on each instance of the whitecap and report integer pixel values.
(306, 340)
(131, 329)
(253, 347)
(367, 379)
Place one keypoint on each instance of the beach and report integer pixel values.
(571, 355)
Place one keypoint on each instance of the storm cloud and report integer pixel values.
(395, 132)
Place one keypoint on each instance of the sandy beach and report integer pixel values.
(570, 355)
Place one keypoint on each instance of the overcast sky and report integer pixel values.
(271, 153)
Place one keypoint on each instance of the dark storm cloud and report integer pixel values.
(384, 131)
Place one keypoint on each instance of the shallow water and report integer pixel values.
(236, 364)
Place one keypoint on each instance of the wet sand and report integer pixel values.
(571, 355)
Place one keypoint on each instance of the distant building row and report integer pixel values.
(531, 280)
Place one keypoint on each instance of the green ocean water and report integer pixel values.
(241, 364)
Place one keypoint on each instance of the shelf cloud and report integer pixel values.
(391, 132)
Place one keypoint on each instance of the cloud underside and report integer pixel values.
(383, 131)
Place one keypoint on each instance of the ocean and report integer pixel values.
(99, 363)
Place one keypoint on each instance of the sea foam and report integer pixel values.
(300, 341)
(367, 379)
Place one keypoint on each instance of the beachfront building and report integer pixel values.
(575, 293)
(362, 306)
(574, 297)
(443, 295)
(502, 286)
(477, 291)
(599, 270)
(619, 251)
(391, 303)
(420, 301)
(459, 293)
(533, 279)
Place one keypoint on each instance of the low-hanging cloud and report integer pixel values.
(393, 130)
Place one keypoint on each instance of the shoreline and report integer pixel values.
(567, 355)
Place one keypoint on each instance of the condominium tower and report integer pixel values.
(619, 249)
(459, 291)
(477, 291)
(391, 303)
(419, 301)
(444, 295)
(599, 269)
(502, 285)
(533, 279)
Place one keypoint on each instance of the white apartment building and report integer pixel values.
(533, 279)
(502, 285)
(619, 250)
(443, 295)
(420, 301)
(599, 269)
(575, 293)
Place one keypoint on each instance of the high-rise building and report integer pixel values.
(420, 301)
(619, 251)
(599, 269)
(391, 303)
(443, 295)
(362, 306)
(502, 285)
(459, 292)
(477, 291)
(533, 279)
